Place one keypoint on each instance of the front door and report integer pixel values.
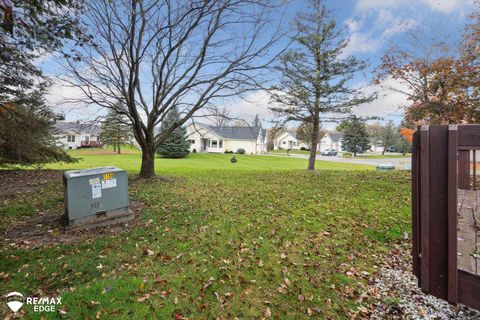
(204, 144)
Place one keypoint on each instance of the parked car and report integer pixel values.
(329, 152)
(391, 149)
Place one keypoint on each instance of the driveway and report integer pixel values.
(399, 163)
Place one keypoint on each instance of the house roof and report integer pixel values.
(234, 133)
(62, 127)
(292, 132)
(335, 136)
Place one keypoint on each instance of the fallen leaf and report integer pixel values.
(267, 313)
(149, 252)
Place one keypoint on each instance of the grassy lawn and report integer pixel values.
(291, 152)
(385, 156)
(219, 240)
(131, 160)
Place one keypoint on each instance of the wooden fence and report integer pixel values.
(443, 161)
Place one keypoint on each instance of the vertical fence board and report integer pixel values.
(452, 213)
(438, 212)
(424, 210)
(464, 169)
(415, 205)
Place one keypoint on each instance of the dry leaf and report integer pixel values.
(267, 313)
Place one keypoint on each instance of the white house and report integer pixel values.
(331, 140)
(288, 140)
(376, 145)
(73, 135)
(207, 138)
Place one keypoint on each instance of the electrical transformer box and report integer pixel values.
(96, 195)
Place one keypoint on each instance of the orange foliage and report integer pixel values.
(407, 134)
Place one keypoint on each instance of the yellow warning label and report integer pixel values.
(107, 176)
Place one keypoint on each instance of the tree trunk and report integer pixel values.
(114, 147)
(313, 149)
(147, 169)
(118, 148)
(383, 151)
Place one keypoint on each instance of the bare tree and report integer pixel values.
(220, 116)
(156, 55)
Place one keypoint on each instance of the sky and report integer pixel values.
(372, 27)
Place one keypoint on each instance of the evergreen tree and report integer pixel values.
(176, 145)
(26, 135)
(116, 131)
(28, 30)
(355, 136)
(256, 121)
(316, 73)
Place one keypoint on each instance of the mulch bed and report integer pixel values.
(13, 181)
(48, 229)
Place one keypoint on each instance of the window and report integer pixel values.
(192, 141)
(294, 143)
(284, 142)
(71, 138)
(220, 144)
(86, 139)
(213, 143)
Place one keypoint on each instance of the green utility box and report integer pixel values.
(96, 196)
(385, 167)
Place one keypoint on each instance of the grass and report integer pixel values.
(225, 240)
(291, 152)
(385, 156)
(197, 161)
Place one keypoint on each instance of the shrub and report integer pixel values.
(302, 148)
(233, 159)
(241, 151)
(228, 151)
(194, 151)
(347, 154)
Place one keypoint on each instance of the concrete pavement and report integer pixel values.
(399, 163)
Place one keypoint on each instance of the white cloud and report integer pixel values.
(388, 102)
(60, 97)
(365, 5)
(444, 6)
(353, 25)
(385, 26)
(447, 6)
(255, 103)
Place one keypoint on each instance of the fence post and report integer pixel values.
(424, 209)
(452, 214)
(415, 173)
